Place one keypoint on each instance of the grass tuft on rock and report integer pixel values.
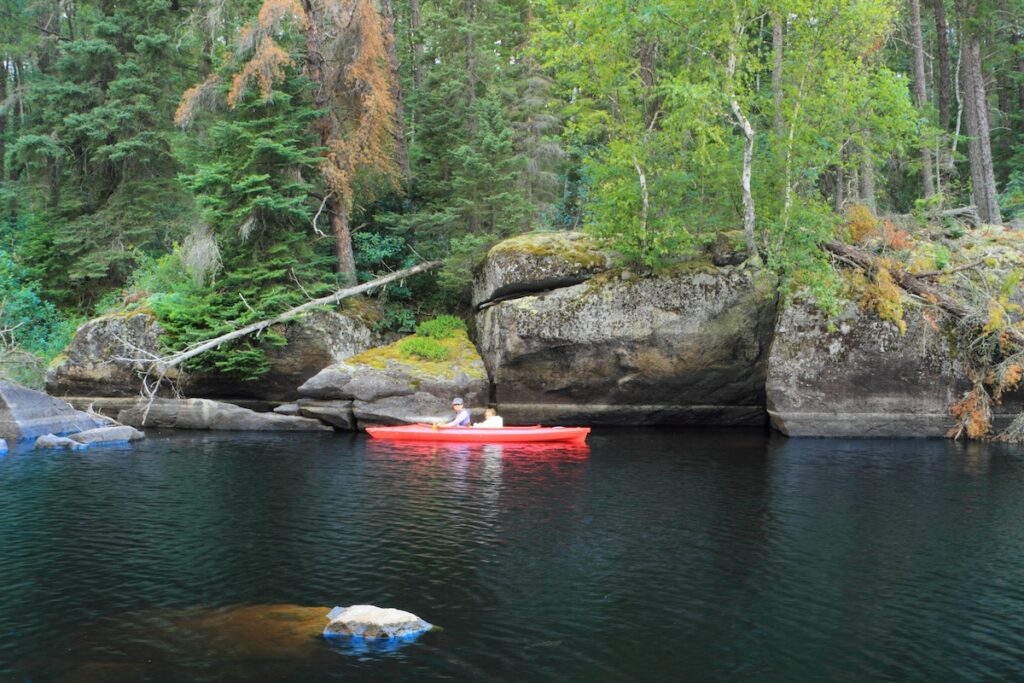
(423, 348)
(441, 327)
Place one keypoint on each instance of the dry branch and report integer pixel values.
(911, 284)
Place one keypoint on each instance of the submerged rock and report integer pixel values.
(52, 441)
(386, 388)
(26, 414)
(120, 434)
(685, 347)
(198, 413)
(369, 621)
(858, 376)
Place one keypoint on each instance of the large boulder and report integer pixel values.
(387, 388)
(104, 356)
(106, 353)
(857, 375)
(27, 414)
(535, 262)
(685, 347)
(315, 340)
(199, 413)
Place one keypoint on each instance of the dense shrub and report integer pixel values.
(441, 327)
(423, 348)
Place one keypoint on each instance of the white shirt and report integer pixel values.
(495, 421)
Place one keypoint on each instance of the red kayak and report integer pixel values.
(423, 432)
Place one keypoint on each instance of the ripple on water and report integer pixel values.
(647, 555)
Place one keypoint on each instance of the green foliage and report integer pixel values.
(1011, 200)
(26, 319)
(441, 327)
(424, 348)
(252, 287)
(93, 163)
(464, 255)
(249, 178)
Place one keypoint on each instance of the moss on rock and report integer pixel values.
(462, 356)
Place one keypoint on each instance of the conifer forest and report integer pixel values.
(222, 161)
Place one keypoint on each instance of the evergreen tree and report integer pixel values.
(96, 152)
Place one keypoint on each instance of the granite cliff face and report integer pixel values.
(857, 376)
(684, 347)
(562, 337)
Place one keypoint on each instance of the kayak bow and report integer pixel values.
(423, 432)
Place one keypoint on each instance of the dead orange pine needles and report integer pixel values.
(860, 223)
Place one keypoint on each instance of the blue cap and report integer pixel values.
(456, 401)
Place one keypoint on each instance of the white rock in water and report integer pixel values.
(369, 621)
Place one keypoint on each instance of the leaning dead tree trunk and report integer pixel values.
(162, 365)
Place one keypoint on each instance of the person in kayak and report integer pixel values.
(491, 419)
(462, 418)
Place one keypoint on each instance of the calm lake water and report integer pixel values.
(650, 555)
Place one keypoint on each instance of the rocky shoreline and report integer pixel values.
(563, 337)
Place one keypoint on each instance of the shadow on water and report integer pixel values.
(646, 555)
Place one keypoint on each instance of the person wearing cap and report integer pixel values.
(462, 418)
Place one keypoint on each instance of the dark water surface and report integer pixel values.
(651, 555)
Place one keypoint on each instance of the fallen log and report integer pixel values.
(911, 284)
(162, 365)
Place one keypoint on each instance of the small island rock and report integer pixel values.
(369, 621)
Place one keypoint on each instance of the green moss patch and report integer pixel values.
(462, 355)
(571, 247)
